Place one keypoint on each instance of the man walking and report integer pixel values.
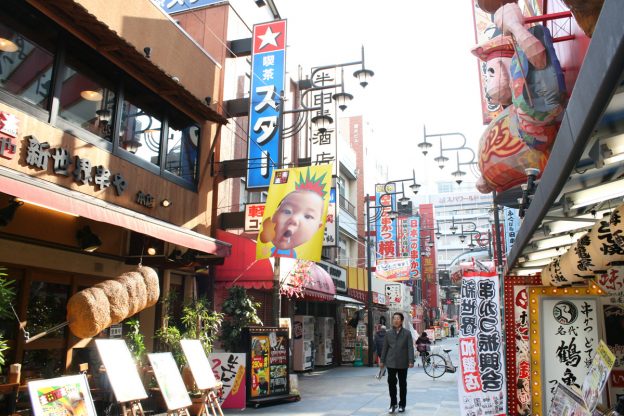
(397, 355)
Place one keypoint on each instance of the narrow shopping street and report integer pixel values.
(350, 390)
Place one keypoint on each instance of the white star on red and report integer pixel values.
(269, 38)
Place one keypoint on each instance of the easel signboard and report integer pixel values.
(203, 375)
(122, 374)
(170, 382)
(62, 395)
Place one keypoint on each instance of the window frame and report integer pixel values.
(120, 79)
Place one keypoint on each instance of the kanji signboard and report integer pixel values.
(267, 83)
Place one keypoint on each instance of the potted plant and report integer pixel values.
(240, 311)
(197, 322)
(7, 294)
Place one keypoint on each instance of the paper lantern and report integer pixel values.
(602, 247)
(612, 281)
(616, 226)
(551, 274)
(576, 263)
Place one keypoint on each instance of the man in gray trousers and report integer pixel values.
(397, 355)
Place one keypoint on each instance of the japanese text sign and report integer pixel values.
(253, 217)
(330, 238)
(267, 83)
(512, 225)
(569, 341)
(385, 226)
(324, 145)
(414, 247)
(229, 369)
(482, 368)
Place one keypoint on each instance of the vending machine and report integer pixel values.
(324, 341)
(303, 342)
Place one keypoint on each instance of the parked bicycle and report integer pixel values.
(436, 365)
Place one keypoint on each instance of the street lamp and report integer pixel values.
(320, 121)
(441, 159)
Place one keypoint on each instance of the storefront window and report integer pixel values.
(46, 307)
(87, 103)
(25, 67)
(182, 151)
(140, 133)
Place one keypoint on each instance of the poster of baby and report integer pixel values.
(294, 216)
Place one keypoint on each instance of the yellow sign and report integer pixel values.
(295, 212)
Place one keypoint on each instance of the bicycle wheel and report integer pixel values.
(435, 366)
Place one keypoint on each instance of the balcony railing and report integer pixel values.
(347, 206)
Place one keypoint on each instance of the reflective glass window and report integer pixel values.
(26, 65)
(87, 102)
(182, 149)
(140, 132)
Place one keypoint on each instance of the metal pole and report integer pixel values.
(369, 279)
(277, 299)
(499, 250)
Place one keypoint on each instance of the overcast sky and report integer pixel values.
(424, 72)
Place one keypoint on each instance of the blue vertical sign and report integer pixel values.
(512, 225)
(386, 229)
(264, 150)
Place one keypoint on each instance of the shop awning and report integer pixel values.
(241, 267)
(66, 200)
(321, 286)
(360, 295)
(348, 299)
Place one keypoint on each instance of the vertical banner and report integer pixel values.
(294, 214)
(267, 83)
(512, 225)
(229, 368)
(482, 368)
(330, 238)
(385, 226)
(325, 144)
(523, 359)
(260, 368)
(501, 229)
(403, 237)
(414, 247)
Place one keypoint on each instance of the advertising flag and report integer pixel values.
(295, 212)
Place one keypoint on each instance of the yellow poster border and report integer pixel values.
(535, 337)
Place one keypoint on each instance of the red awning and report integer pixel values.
(66, 200)
(241, 267)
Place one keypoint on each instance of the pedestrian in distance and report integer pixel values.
(380, 336)
(452, 331)
(397, 356)
(423, 345)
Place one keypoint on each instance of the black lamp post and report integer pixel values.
(321, 121)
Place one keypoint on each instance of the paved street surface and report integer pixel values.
(349, 390)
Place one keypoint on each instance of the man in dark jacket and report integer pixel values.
(397, 356)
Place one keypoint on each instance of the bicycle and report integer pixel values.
(436, 365)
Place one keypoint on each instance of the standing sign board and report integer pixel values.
(68, 395)
(169, 380)
(267, 84)
(121, 370)
(565, 328)
(267, 352)
(481, 356)
(229, 369)
(198, 361)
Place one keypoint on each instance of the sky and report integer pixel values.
(424, 71)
